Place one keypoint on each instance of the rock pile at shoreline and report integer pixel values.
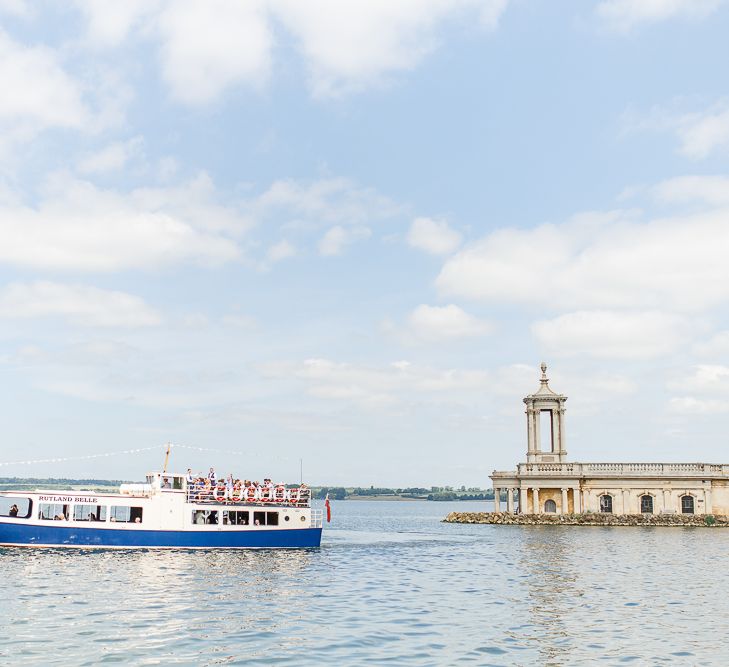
(589, 519)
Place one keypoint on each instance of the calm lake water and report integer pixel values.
(390, 585)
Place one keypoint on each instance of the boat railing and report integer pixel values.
(297, 497)
(317, 518)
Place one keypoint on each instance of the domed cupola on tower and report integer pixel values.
(545, 424)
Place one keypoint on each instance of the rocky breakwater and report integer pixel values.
(589, 519)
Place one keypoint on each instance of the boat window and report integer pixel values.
(19, 508)
(166, 483)
(265, 518)
(202, 517)
(53, 512)
(89, 513)
(235, 518)
(123, 514)
(177, 483)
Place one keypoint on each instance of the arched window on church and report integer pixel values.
(687, 504)
(646, 504)
(550, 507)
(606, 503)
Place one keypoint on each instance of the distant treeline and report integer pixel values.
(335, 492)
(60, 480)
(433, 493)
(60, 483)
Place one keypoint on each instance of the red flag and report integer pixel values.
(329, 508)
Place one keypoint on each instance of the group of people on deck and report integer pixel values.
(209, 487)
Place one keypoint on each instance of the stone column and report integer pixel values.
(707, 501)
(667, 501)
(626, 502)
(531, 448)
(576, 501)
(585, 504)
(497, 500)
(524, 500)
(564, 508)
(535, 498)
(510, 501)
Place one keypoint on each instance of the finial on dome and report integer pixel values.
(544, 373)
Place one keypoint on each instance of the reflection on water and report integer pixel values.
(552, 588)
(390, 584)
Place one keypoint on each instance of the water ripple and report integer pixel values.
(390, 585)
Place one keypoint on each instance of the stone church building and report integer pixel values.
(548, 483)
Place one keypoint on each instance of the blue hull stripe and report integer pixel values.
(30, 535)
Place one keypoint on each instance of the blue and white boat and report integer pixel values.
(164, 512)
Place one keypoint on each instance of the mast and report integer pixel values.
(167, 457)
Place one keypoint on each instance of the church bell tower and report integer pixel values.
(545, 424)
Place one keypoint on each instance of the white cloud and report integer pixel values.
(625, 14)
(37, 93)
(716, 346)
(208, 47)
(705, 379)
(611, 335)
(281, 250)
(433, 236)
(713, 190)
(337, 238)
(376, 386)
(204, 48)
(679, 261)
(328, 201)
(20, 8)
(112, 157)
(238, 321)
(353, 45)
(77, 226)
(109, 23)
(79, 304)
(703, 133)
(699, 133)
(688, 405)
(437, 323)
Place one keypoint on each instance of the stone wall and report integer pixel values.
(589, 519)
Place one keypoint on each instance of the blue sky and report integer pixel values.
(350, 232)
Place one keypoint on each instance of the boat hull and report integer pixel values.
(14, 534)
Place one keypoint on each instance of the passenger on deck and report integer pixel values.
(189, 478)
(211, 476)
(13, 511)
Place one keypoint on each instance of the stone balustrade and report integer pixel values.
(692, 470)
(588, 519)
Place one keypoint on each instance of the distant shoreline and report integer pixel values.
(397, 498)
(443, 494)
